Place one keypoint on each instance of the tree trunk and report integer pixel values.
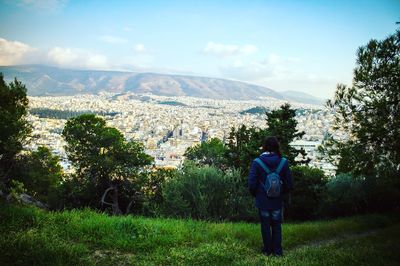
(114, 205)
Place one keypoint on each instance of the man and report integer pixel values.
(269, 179)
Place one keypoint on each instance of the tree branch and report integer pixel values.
(104, 196)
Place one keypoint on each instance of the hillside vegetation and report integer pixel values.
(30, 236)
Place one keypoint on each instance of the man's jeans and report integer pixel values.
(271, 220)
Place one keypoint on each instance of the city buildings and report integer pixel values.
(167, 126)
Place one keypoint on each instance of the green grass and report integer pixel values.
(29, 236)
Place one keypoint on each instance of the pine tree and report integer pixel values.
(282, 124)
(369, 112)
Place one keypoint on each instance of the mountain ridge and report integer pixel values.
(42, 80)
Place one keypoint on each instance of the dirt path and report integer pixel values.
(319, 243)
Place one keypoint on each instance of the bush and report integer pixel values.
(207, 193)
(345, 195)
(139, 194)
(349, 195)
(309, 188)
(239, 201)
(142, 194)
(382, 194)
(40, 172)
(73, 193)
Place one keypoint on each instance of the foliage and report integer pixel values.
(382, 194)
(211, 153)
(369, 111)
(101, 155)
(207, 193)
(16, 189)
(345, 195)
(255, 110)
(173, 103)
(238, 202)
(309, 190)
(14, 128)
(65, 114)
(243, 146)
(152, 190)
(282, 124)
(40, 172)
(29, 236)
(74, 192)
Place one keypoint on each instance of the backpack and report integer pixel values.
(273, 183)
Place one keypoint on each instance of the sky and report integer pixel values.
(308, 46)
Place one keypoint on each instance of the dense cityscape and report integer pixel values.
(167, 126)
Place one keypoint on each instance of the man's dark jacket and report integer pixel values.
(257, 175)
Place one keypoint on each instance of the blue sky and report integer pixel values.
(308, 46)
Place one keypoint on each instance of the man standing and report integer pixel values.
(269, 179)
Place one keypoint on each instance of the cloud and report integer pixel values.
(280, 73)
(43, 4)
(139, 48)
(13, 52)
(273, 66)
(72, 57)
(112, 39)
(226, 50)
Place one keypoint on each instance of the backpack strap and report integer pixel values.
(262, 164)
(280, 166)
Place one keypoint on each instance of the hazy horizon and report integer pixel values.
(307, 46)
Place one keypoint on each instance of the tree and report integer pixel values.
(40, 172)
(282, 124)
(102, 156)
(244, 145)
(211, 153)
(14, 128)
(369, 112)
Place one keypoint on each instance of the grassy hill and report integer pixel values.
(30, 236)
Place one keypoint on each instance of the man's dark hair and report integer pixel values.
(271, 144)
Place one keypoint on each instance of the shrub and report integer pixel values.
(345, 195)
(309, 189)
(381, 194)
(142, 194)
(350, 195)
(207, 193)
(239, 201)
(40, 172)
(73, 193)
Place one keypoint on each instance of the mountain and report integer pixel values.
(47, 80)
(302, 97)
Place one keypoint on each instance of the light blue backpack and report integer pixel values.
(272, 183)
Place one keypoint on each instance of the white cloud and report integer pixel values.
(248, 49)
(280, 73)
(139, 48)
(13, 52)
(273, 66)
(112, 39)
(225, 50)
(72, 57)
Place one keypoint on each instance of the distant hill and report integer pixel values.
(302, 97)
(46, 80)
(255, 110)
